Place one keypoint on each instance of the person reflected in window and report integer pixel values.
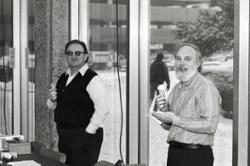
(80, 108)
(191, 112)
(158, 74)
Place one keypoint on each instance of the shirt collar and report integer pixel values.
(82, 70)
(189, 83)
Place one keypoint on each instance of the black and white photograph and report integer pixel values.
(124, 83)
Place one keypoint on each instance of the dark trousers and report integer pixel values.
(190, 157)
(80, 147)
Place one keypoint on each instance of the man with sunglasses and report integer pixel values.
(191, 112)
(80, 108)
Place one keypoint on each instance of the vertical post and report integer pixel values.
(241, 68)
(51, 35)
(143, 79)
(74, 19)
(84, 21)
(133, 100)
(16, 70)
(24, 70)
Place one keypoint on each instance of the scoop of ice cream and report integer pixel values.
(162, 88)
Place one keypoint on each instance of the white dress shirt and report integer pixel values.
(98, 93)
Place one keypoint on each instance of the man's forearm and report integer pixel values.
(198, 126)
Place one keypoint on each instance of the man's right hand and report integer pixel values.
(161, 103)
(53, 93)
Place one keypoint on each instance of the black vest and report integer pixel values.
(74, 105)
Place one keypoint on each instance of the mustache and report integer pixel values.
(181, 68)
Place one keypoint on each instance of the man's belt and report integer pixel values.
(179, 145)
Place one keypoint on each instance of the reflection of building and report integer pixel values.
(101, 59)
(164, 15)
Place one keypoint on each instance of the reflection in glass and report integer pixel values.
(6, 66)
(104, 46)
(31, 67)
(210, 26)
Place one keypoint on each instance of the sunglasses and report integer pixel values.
(77, 53)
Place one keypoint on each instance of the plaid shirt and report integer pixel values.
(197, 104)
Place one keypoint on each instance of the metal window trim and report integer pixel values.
(138, 81)
(16, 70)
(241, 70)
(74, 19)
(144, 81)
(84, 21)
(133, 83)
(25, 121)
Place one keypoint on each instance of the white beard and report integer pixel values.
(183, 73)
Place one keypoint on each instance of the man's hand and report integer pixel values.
(166, 126)
(165, 117)
(161, 103)
(53, 93)
(168, 87)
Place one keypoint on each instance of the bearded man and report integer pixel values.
(191, 112)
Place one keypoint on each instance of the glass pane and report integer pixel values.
(209, 25)
(31, 67)
(105, 51)
(6, 66)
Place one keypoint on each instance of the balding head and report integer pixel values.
(188, 48)
(187, 61)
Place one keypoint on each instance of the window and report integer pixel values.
(173, 22)
(107, 39)
(6, 67)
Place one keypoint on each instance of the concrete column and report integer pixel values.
(51, 34)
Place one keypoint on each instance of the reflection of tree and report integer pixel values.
(213, 31)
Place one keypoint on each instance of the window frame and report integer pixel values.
(241, 69)
(137, 124)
